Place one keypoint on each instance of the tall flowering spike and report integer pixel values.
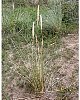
(36, 39)
(37, 15)
(41, 21)
(38, 49)
(42, 41)
(33, 31)
(13, 5)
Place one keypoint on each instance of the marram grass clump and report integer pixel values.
(38, 78)
(35, 78)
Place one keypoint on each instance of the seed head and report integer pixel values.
(33, 31)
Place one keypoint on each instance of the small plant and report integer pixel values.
(63, 93)
(38, 78)
(36, 75)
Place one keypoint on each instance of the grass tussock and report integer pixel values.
(32, 46)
